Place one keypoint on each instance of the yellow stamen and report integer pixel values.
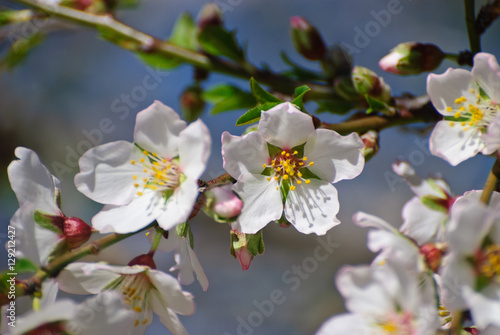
(136, 323)
(292, 188)
(132, 162)
(311, 164)
(308, 181)
(264, 166)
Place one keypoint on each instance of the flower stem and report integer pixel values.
(156, 241)
(451, 56)
(490, 184)
(470, 21)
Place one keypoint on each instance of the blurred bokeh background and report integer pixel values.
(68, 85)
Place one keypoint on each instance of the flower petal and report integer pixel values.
(285, 126)
(423, 224)
(179, 205)
(194, 149)
(187, 264)
(106, 173)
(168, 317)
(492, 136)
(453, 144)
(486, 72)
(171, 294)
(484, 309)
(131, 217)
(157, 129)
(261, 202)
(85, 278)
(32, 181)
(312, 208)
(245, 153)
(63, 310)
(335, 157)
(345, 324)
(444, 89)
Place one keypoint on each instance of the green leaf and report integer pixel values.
(376, 105)
(261, 95)
(159, 61)
(25, 265)
(226, 97)
(299, 96)
(434, 203)
(182, 229)
(219, 42)
(255, 243)
(20, 49)
(253, 115)
(49, 221)
(184, 32)
(60, 249)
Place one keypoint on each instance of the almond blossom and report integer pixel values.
(288, 166)
(469, 103)
(144, 289)
(154, 178)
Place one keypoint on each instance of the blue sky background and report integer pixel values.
(68, 84)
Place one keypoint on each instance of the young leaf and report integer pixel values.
(226, 97)
(25, 265)
(20, 49)
(261, 94)
(184, 32)
(299, 96)
(47, 221)
(378, 106)
(219, 42)
(253, 115)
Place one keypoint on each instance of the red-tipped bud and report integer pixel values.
(433, 255)
(192, 104)
(239, 248)
(210, 15)
(412, 58)
(143, 260)
(306, 39)
(367, 82)
(370, 142)
(244, 257)
(76, 232)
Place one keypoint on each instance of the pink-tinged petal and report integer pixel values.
(261, 202)
(285, 126)
(109, 316)
(194, 149)
(129, 218)
(312, 208)
(335, 157)
(168, 317)
(85, 278)
(171, 294)
(423, 224)
(157, 129)
(188, 266)
(32, 181)
(63, 310)
(453, 144)
(484, 309)
(245, 153)
(179, 205)
(343, 324)
(106, 173)
(492, 136)
(486, 72)
(444, 89)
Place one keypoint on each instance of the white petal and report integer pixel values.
(453, 144)
(168, 317)
(423, 224)
(157, 129)
(485, 310)
(194, 149)
(63, 310)
(187, 264)
(106, 173)
(456, 274)
(167, 244)
(50, 288)
(129, 218)
(492, 136)
(179, 205)
(312, 208)
(105, 313)
(444, 89)
(335, 157)
(261, 202)
(170, 293)
(371, 221)
(421, 187)
(343, 324)
(32, 181)
(85, 278)
(487, 74)
(245, 153)
(285, 126)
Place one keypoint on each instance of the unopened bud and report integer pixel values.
(143, 260)
(412, 58)
(76, 232)
(367, 82)
(433, 255)
(370, 142)
(239, 249)
(226, 204)
(192, 104)
(338, 61)
(210, 15)
(306, 39)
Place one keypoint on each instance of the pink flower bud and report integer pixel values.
(144, 260)
(306, 39)
(433, 255)
(412, 58)
(244, 257)
(76, 232)
(210, 15)
(226, 203)
(370, 142)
